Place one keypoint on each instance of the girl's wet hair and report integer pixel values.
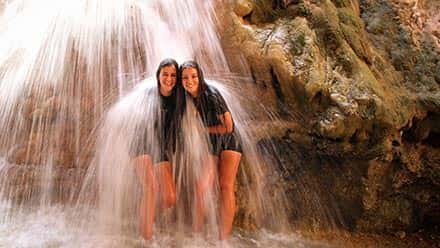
(178, 94)
(195, 65)
(165, 63)
(178, 91)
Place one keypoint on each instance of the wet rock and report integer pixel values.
(360, 80)
(437, 73)
(396, 210)
(243, 7)
(17, 155)
(27, 183)
(401, 234)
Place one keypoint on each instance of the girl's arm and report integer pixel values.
(226, 126)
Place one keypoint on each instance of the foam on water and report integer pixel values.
(57, 226)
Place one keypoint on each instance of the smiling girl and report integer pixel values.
(225, 146)
(152, 164)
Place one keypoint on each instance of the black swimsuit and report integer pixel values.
(167, 140)
(210, 104)
(165, 134)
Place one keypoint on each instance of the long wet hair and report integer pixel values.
(165, 63)
(178, 95)
(193, 64)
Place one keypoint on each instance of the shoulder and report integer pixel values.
(210, 89)
(213, 93)
(216, 99)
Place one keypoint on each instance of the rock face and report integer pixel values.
(361, 81)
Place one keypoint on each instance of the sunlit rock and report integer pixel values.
(243, 7)
(360, 81)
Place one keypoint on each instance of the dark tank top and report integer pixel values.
(168, 104)
(210, 104)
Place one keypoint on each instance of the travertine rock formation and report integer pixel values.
(361, 80)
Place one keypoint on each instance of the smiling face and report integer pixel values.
(167, 79)
(190, 81)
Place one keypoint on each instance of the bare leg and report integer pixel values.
(228, 166)
(203, 186)
(166, 185)
(145, 172)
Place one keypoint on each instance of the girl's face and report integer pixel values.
(167, 80)
(190, 81)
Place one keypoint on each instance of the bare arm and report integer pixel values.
(226, 126)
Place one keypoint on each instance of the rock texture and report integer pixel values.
(361, 81)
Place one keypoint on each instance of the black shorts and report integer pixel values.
(222, 142)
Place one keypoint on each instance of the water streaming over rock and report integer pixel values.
(66, 177)
(64, 62)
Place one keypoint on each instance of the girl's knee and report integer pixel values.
(170, 200)
(227, 187)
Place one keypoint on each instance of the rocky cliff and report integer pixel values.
(358, 81)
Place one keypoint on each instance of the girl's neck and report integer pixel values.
(196, 94)
(161, 91)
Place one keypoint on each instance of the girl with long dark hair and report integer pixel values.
(152, 164)
(224, 142)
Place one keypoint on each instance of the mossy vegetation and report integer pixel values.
(342, 3)
(297, 43)
(348, 17)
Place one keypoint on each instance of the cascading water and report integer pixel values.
(119, 189)
(62, 64)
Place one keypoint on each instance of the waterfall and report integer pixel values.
(74, 89)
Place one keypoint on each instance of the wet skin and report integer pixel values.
(227, 163)
(157, 180)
